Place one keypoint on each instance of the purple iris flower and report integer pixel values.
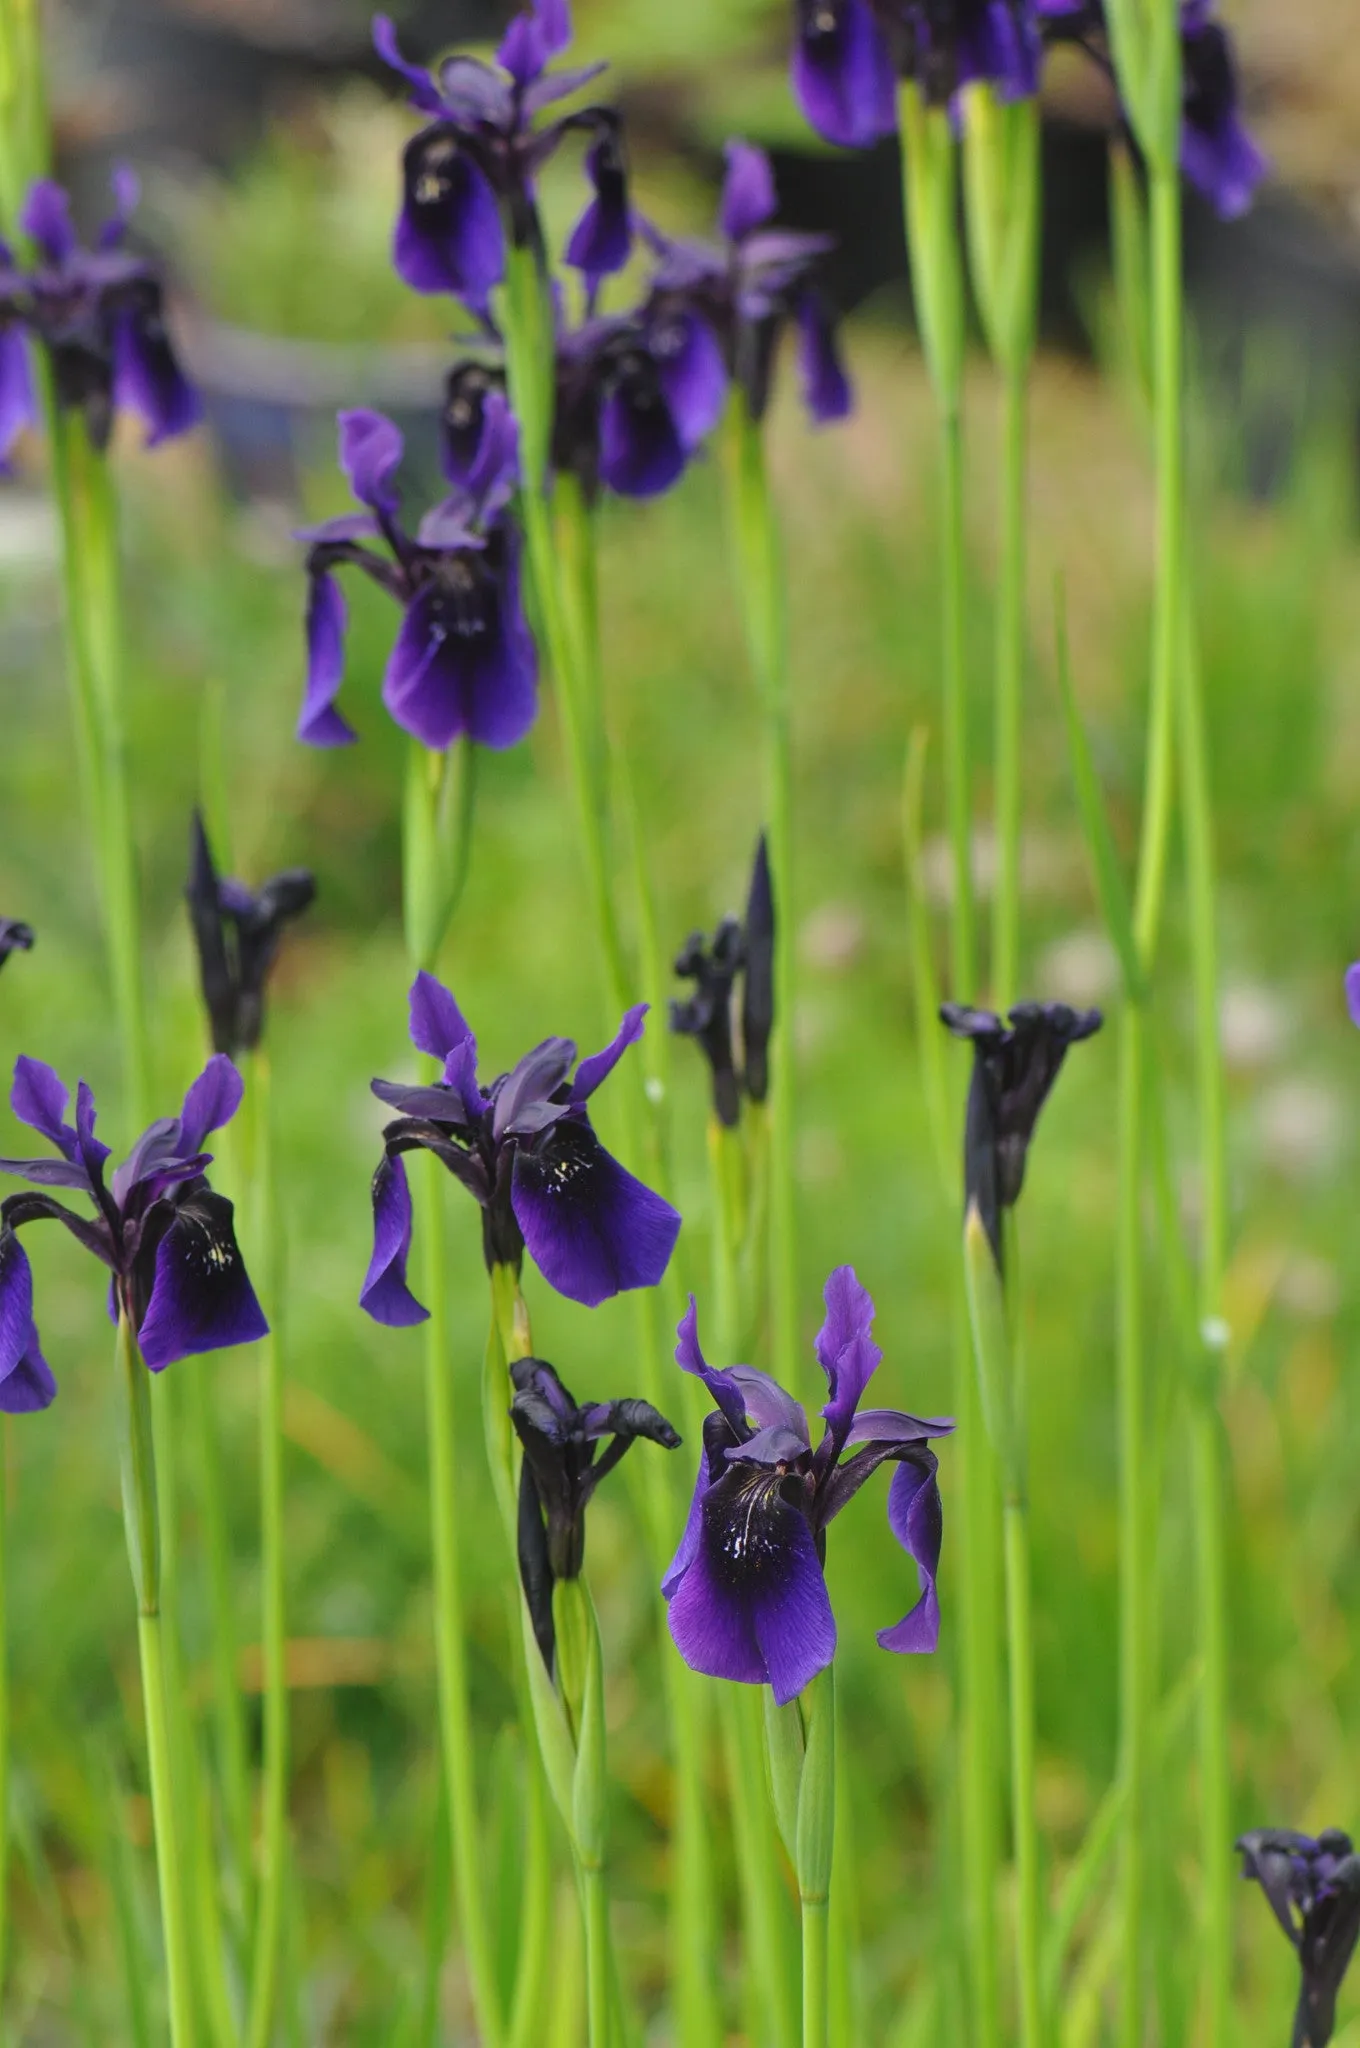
(165, 1235)
(563, 1465)
(746, 1589)
(1014, 1067)
(18, 400)
(14, 938)
(464, 659)
(526, 1151)
(749, 290)
(100, 314)
(848, 55)
(637, 395)
(740, 949)
(468, 176)
(1314, 1891)
(236, 933)
(1218, 156)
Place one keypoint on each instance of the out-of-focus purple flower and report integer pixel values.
(752, 287)
(469, 175)
(1353, 992)
(563, 1465)
(746, 1589)
(1313, 1886)
(526, 1151)
(1218, 156)
(236, 933)
(167, 1239)
(1013, 1070)
(100, 315)
(739, 948)
(464, 659)
(637, 394)
(848, 55)
(14, 938)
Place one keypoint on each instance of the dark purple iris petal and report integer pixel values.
(596, 1068)
(533, 39)
(46, 220)
(998, 42)
(319, 723)
(592, 1229)
(448, 236)
(201, 1297)
(767, 1405)
(16, 1303)
(602, 239)
(842, 72)
(437, 1024)
(1224, 164)
(18, 405)
(531, 1082)
(371, 448)
(826, 388)
(916, 1520)
(385, 1293)
(38, 1098)
(147, 378)
(693, 374)
(212, 1101)
(846, 1350)
(32, 1385)
(748, 194)
(730, 1396)
(641, 453)
(464, 660)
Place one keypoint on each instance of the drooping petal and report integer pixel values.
(147, 378)
(16, 1302)
(1224, 164)
(693, 374)
(18, 405)
(602, 239)
(38, 1098)
(916, 1520)
(1272, 1857)
(641, 452)
(598, 1066)
(384, 1293)
(212, 1101)
(842, 72)
(46, 219)
(201, 1298)
(826, 388)
(31, 1385)
(371, 448)
(592, 1229)
(319, 723)
(748, 194)
(448, 236)
(729, 1395)
(846, 1350)
(463, 663)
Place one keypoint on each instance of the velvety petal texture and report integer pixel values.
(592, 1228)
(201, 1296)
(385, 1293)
(448, 236)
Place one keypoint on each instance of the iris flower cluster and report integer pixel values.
(99, 316)
(849, 54)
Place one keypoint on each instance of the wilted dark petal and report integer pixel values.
(916, 1520)
(448, 236)
(730, 1397)
(18, 406)
(693, 373)
(201, 1297)
(38, 1098)
(748, 194)
(629, 1418)
(846, 1350)
(1273, 1856)
(535, 1569)
(205, 912)
(319, 723)
(31, 1385)
(592, 1229)
(641, 453)
(757, 988)
(16, 1302)
(603, 237)
(826, 388)
(541, 1397)
(384, 1293)
(371, 448)
(842, 72)
(212, 1101)
(598, 1066)
(147, 378)
(751, 1604)
(46, 219)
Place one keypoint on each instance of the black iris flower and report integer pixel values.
(564, 1462)
(14, 938)
(1313, 1886)
(738, 950)
(237, 933)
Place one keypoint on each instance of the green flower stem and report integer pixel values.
(761, 592)
(1029, 1909)
(599, 2002)
(1010, 683)
(227, 1709)
(1135, 1673)
(142, 1526)
(273, 1854)
(814, 1842)
(25, 134)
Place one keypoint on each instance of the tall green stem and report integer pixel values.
(273, 1860)
(1134, 1588)
(1029, 1911)
(816, 1920)
(142, 1525)
(1010, 680)
(599, 1966)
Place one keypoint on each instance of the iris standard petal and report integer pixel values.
(916, 1520)
(437, 1024)
(319, 723)
(531, 1081)
(201, 1297)
(423, 92)
(212, 1101)
(767, 1404)
(46, 219)
(748, 194)
(384, 1293)
(592, 1229)
(598, 1066)
(843, 74)
(448, 236)
(38, 1098)
(371, 448)
(721, 1384)
(846, 1350)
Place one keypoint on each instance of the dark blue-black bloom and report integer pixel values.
(526, 1151)
(469, 175)
(1313, 1885)
(166, 1237)
(849, 54)
(14, 938)
(739, 949)
(1013, 1071)
(237, 933)
(100, 316)
(563, 1465)
(746, 1590)
(464, 659)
